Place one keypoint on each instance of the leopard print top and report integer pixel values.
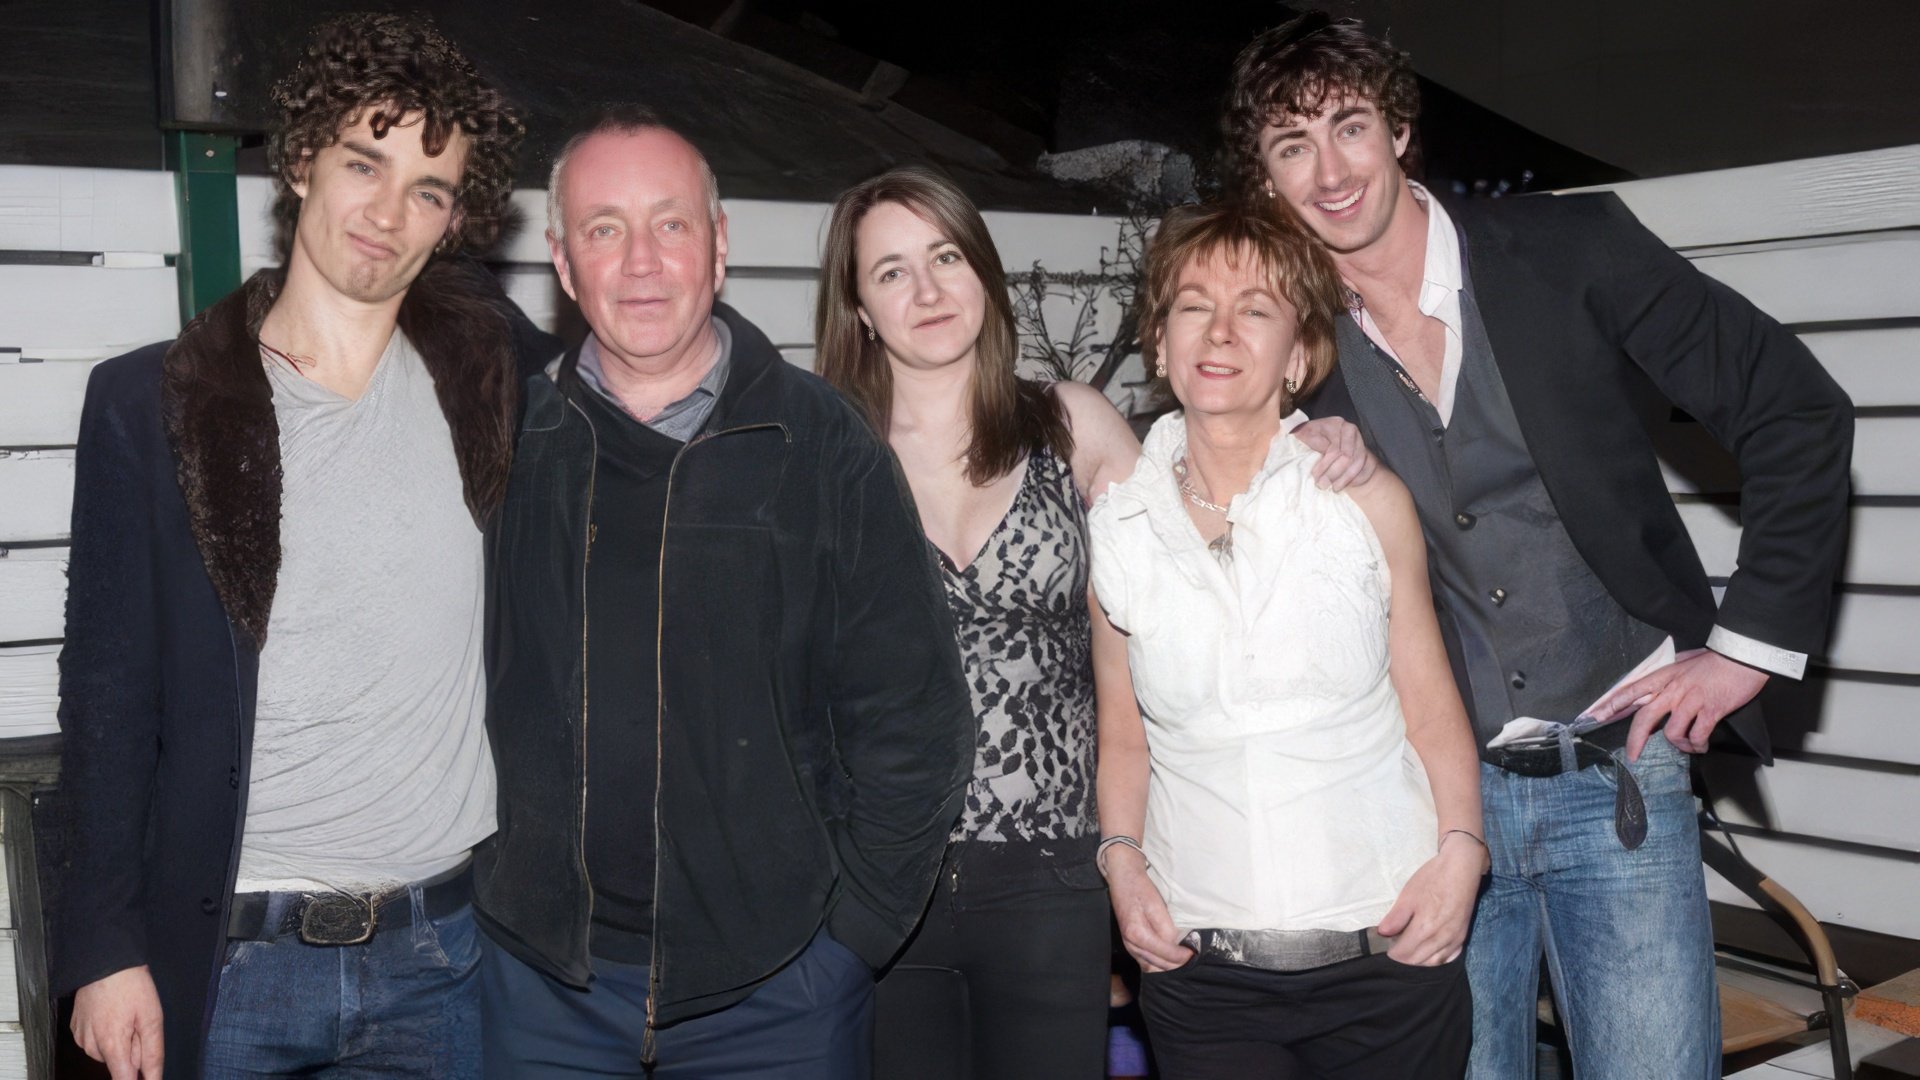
(1020, 614)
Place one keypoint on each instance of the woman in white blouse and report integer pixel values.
(1288, 789)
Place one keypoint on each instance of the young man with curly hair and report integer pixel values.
(272, 689)
(1493, 359)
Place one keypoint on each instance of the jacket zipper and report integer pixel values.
(586, 558)
(660, 725)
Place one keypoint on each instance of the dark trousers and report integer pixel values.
(812, 1021)
(1007, 977)
(1357, 1020)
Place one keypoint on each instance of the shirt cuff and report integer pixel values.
(1757, 653)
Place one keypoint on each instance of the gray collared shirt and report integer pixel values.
(682, 419)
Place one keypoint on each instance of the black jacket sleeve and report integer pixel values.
(902, 719)
(109, 681)
(1765, 398)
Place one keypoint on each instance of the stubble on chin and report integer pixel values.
(377, 281)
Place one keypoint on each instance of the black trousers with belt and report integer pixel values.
(1008, 975)
(1373, 1018)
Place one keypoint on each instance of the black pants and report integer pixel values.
(1008, 975)
(1357, 1020)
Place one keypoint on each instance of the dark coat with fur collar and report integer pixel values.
(176, 549)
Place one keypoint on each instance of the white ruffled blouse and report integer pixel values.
(1283, 793)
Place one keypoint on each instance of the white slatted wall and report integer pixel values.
(1831, 245)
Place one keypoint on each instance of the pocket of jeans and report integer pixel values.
(1663, 768)
(450, 942)
(239, 952)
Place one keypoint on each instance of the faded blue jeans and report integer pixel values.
(1626, 934)
(406, 1003)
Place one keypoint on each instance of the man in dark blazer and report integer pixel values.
(1493, 361)
(271, 693)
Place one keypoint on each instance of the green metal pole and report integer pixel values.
(209, 262)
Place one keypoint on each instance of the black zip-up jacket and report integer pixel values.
(815, 730)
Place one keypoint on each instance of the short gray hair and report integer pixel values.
(625, 118)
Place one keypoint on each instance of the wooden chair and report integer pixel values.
(1748, 1020)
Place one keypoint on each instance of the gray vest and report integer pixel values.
(1531, 630)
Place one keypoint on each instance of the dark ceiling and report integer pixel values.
(797, 98)
(1654, 87)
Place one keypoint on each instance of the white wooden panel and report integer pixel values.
(1877, 189)
(33, 593)
(86, 307)
(801, 358)
(1861, 277)
(9, 979)
(781, 307)
(538, 292)
(1875, 367)
(36, 494)
(1061, 241)
(253, 199)
(29, 690)
(789, 234)
(1876, 633)
(1868, 892)
(13, 1052)
(95, 210)
(1847, 716)
(1830, 801)
(761, 232)
(1885, 450)
(1881, 542)
(6, 887)
(40, 401)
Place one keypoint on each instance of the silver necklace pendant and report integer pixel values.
(1185, 476)
(1222, 546)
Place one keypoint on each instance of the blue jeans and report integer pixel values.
(406, 1003)
(1626, 934)
(813, 1020)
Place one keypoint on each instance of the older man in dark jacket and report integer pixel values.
(729, 718)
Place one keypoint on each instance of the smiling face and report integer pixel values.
(372, 210)
(641, 253)
(1230, 340)
(1339, 171)
(916, 290)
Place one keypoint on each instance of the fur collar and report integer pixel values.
(218, 409)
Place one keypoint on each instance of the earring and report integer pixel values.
(1292, 384)
(1160, 369)
(1270, 193)
(870, 334)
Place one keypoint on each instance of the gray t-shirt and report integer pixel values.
(370, 758)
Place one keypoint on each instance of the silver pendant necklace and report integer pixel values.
(1221, 546)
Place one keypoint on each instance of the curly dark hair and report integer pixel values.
(1294, 68)
(395, 65)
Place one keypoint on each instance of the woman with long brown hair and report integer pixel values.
(1009, 970)
(1010, 967)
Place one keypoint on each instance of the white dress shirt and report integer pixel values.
(1440, 283)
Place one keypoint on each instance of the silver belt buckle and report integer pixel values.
(338, 919)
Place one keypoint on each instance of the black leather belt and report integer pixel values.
(335, 918)
(1286, 950)
(1543, 758)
